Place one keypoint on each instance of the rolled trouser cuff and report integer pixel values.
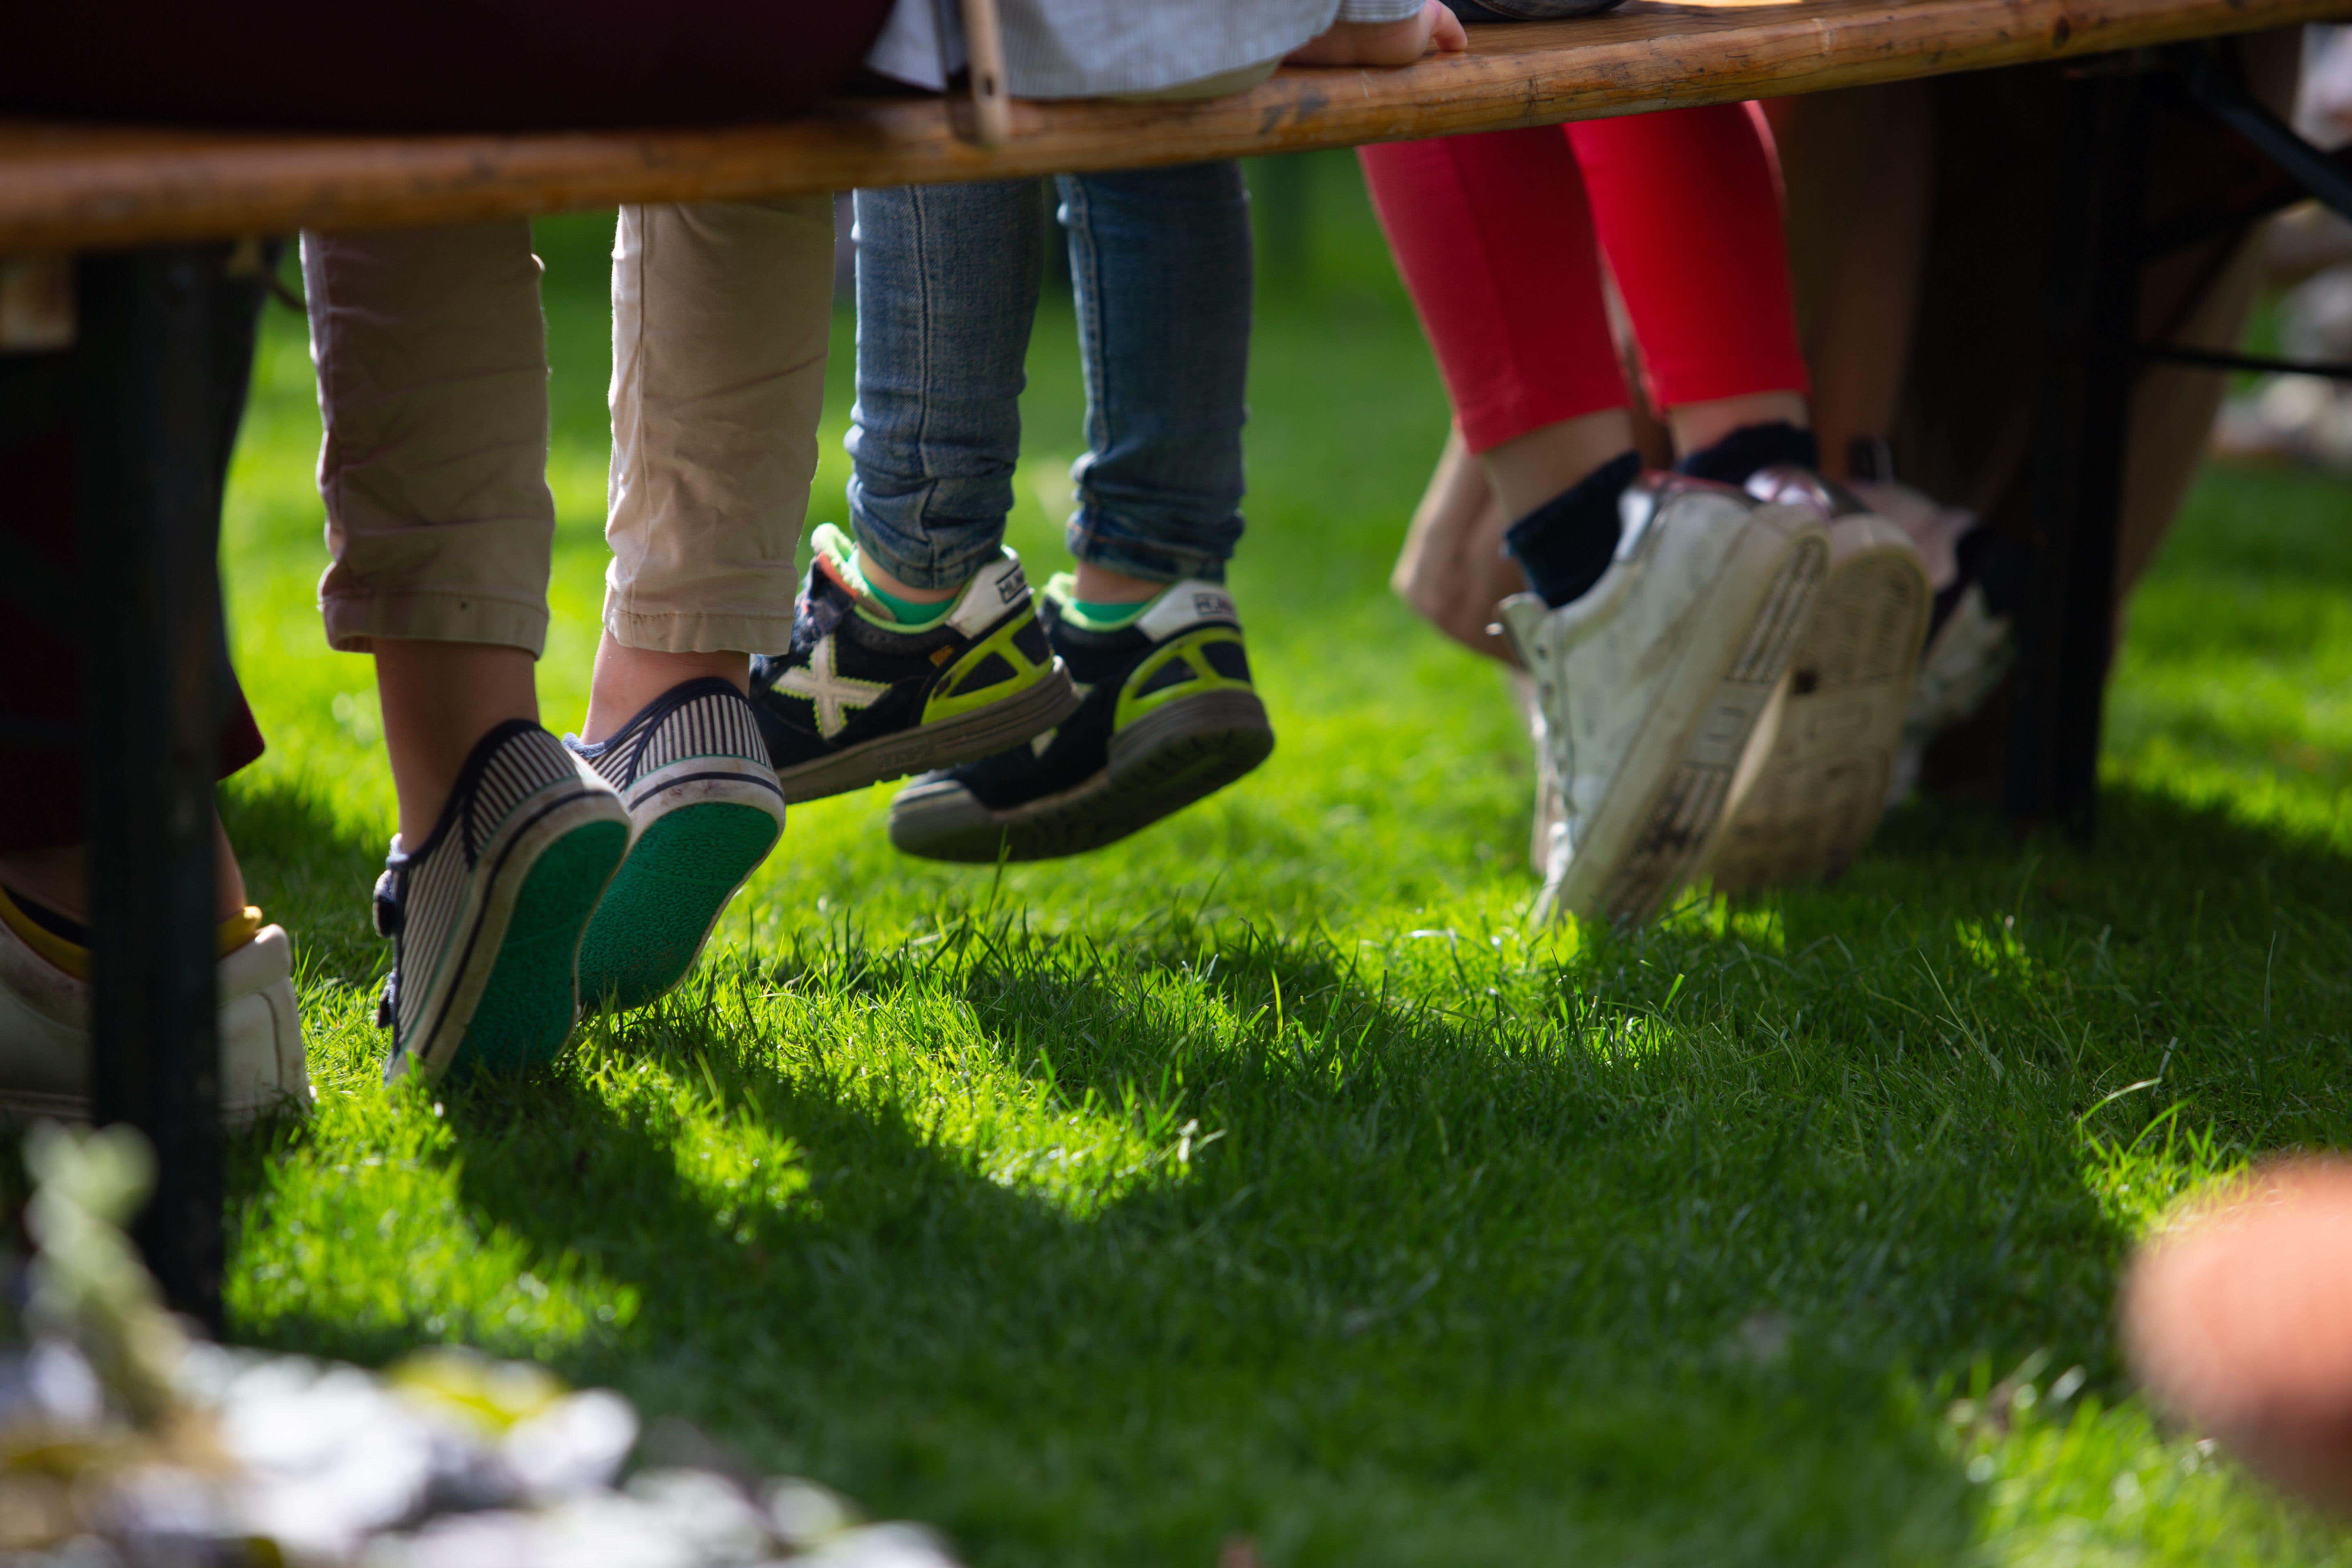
(689, 633)
(354, 622)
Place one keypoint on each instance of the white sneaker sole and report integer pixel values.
(1817, 779)
(1661, 810)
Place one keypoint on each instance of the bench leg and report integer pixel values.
(2092, 300)
(152, 328)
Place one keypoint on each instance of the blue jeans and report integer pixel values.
(947, 290)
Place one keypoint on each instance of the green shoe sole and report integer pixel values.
(667, 896)
(526, 1009)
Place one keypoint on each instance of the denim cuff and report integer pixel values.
(1156, 554)
(908, 535)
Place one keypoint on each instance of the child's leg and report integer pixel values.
(433, 387)
(1687, 206)
(721, 316)
(1495, 241)
(1690, 208)
(44, 852)
(46, 899)
(947, 292)
(916, 645)
(1161, 264)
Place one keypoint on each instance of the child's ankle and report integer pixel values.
(909, 604)
(1095, 584)
(1565, 546)
(628, 678)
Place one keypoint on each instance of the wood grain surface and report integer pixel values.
(66, 187)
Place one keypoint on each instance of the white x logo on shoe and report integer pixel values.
(834, 696)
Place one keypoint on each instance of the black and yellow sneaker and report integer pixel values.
(861, 698)
(1169, 717)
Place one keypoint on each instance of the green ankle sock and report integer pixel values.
(1107, 616)
(912, 614)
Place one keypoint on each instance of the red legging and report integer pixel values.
(1495, 235)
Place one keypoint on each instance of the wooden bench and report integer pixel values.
(76, 188)
(136, 203)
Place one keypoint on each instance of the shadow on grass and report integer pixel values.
(311, 871)
(1667, 1248)
(1358, 1331)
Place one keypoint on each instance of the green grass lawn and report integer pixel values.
(1268, 1174)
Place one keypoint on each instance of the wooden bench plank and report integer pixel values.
(69, 188)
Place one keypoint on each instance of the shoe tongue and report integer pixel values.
(829, 540)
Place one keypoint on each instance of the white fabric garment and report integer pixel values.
(1091, 49)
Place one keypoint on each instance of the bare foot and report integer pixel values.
(1384, 43)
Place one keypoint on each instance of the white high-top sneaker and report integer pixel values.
(1650, 684)
(44, 1022)
(1815, 782)
(1550, 807)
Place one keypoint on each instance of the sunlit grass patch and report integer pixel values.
(1268, 1174)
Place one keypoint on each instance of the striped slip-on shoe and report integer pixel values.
(486, 914)
(704, 809)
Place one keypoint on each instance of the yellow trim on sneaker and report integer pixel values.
(236, 930)
(69, 956)
(74, 959)
(1186, 650)
(947, 701)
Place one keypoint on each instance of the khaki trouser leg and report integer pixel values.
(433, 389)
(721, 311)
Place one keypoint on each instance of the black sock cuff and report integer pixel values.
(1751, 448)
(55, 923)
(1564, 545)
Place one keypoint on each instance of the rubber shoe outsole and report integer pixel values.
(667, 896)
(948, 742)
(526, 1008)
(1158, 765)
(1827, 749)
(1646, 840)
